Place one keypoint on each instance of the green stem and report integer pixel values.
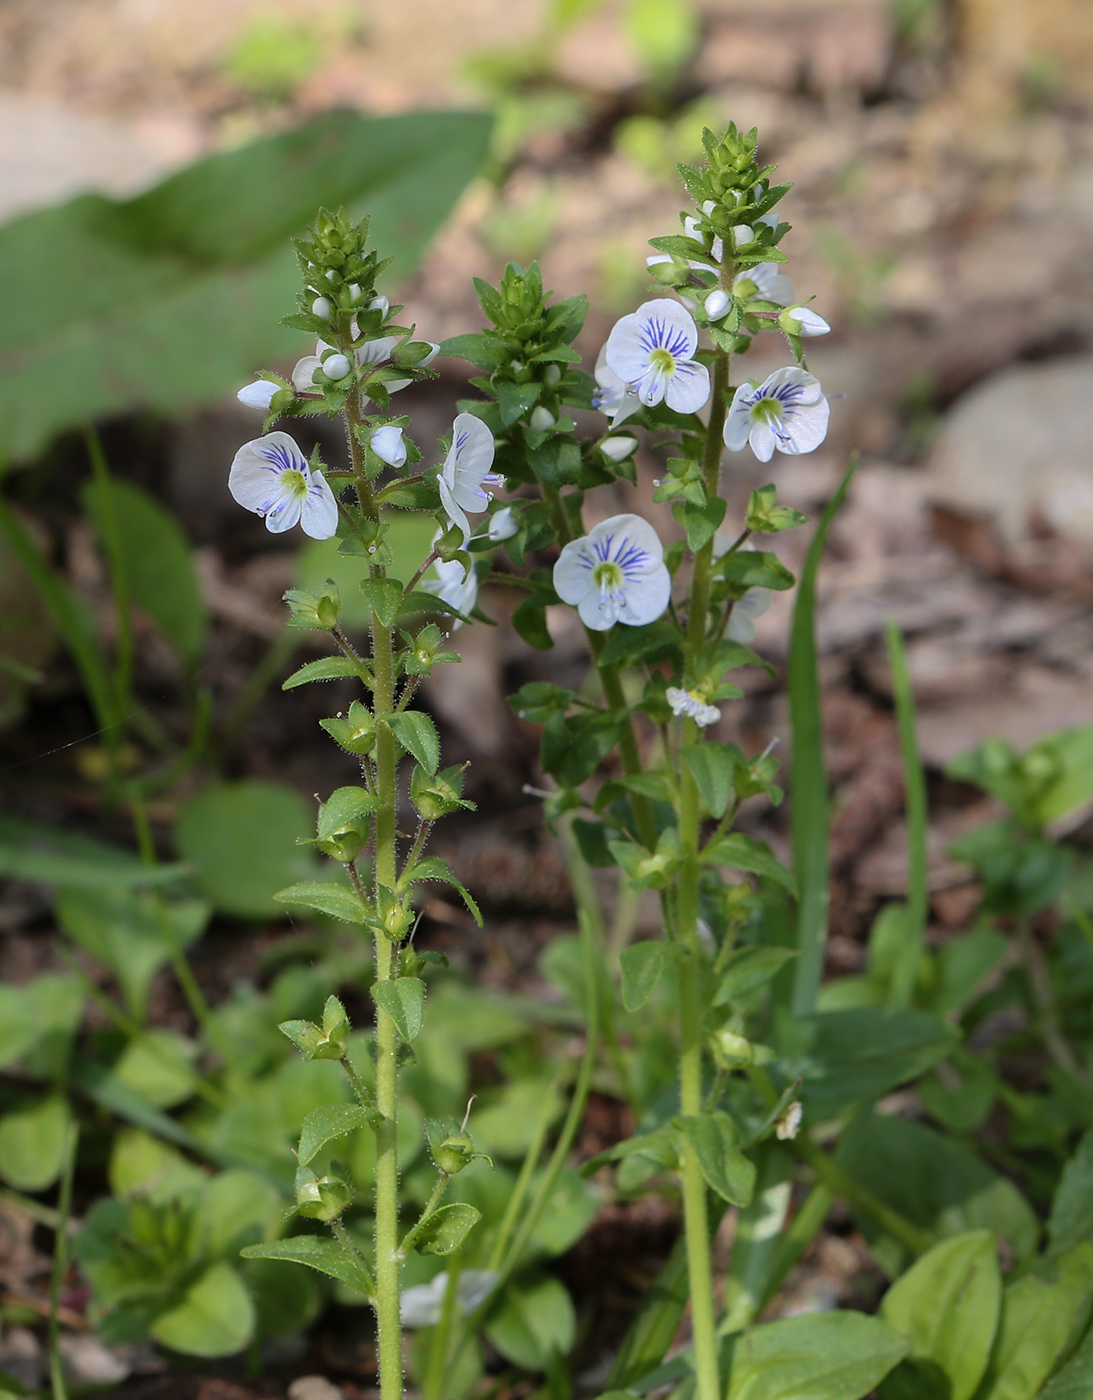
(60, 1265)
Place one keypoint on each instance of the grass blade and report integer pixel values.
(810, 801)
(905, 971)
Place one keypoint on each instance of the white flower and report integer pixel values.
(453, 586)
(258, 395)
(613, 397)
(617, 449)
(799, 320)
(272, 477)
(755, 602)
(503, 524)
(615, 573)
(787, 411)
(717, 303)
(466, 471)
(421, 1306)
(652, 350)
(686, 702)
(766, 282)
(373, 352)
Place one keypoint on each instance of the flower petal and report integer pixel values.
(573, 571)
(646, 598)
(452, 508)
(254, 478)
(689, 388)
(319, 509)
(303, 373)
(763, 441)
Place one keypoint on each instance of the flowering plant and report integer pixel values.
(666, 621)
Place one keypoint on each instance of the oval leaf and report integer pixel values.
(327, 668)
(641, 965)
(403, 998)
(324, 1255)
(445, 1230)
(417, 734)
(821, 1356)
(323, 1125)
(215, 1317)
(335, 900)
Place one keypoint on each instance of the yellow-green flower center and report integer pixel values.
(293, 482)
(663, 360)
(608, 576)
(766, 410)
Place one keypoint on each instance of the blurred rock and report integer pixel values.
(21, 1356)
(314, 1388)
(1015, 451)
(87, 1361)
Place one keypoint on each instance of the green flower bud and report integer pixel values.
(356, 733)
(395, 914)
(453, 1154)
(314, 610)
(435, 795)
(731, 1051)
(322, 1197)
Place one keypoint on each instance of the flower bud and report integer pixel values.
(503, 524)
(718, 304)
(356, 733)
(388, 445)
(322, 306)
(321, 1197)
(453, 1154)
(799, 320)
(336, 366)
(617, 449)
(542, 420)
(730, 1050)
(258, 395)
(552, 375)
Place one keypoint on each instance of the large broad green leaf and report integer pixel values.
(166, 300)
(860, 1054)
(1038, 1318)
(155, 554)
(935, 1183)
(34, 851)
(821, 1356)
(1071, 1219)
(242, 840)
(947, 1306)
(1074, 1381)
(214, 1318)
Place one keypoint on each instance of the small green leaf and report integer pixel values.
(417, 734)
(444, 1231)
(335, 900)
(328, 1122)
(403, 998)
(214, 1318)
(436, 868)
(745, 969)
(538, 700)
(534, 1319)
(384, 597)
(712, 1138)
(529, 620)
(327, 668)
(33, 1140)
(324, 1255)
(752, 568)
(713, 767)
(641, 965)
(741, 852)
(701, 522)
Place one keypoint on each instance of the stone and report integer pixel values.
(1015, 451)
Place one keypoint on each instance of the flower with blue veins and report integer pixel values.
(613, 396)
(788, 411)
(652, 351)
(615, 573)
(273, 478)
(466, 471)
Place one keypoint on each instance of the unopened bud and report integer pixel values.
(336, 367)
(322, 306)
(717, 304)
(617, 449)
(453, 1154)
(552, 376)
(542, 420)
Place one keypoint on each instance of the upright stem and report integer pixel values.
(388, 1324)
(695, 1214)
